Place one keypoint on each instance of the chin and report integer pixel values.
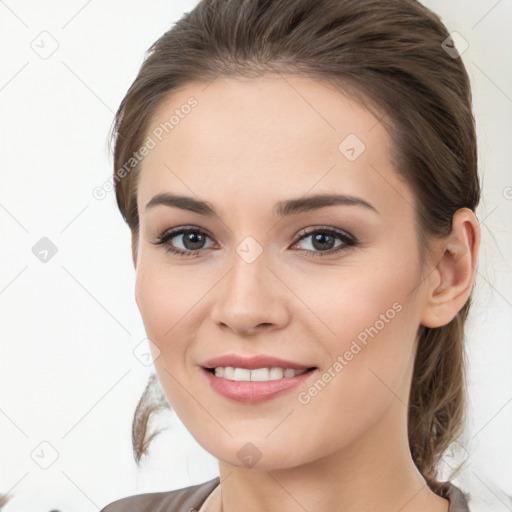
(257, 454)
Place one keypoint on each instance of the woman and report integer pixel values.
(300, 181)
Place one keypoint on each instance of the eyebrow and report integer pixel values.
(281, 209)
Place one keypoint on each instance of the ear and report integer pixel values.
(449, 284)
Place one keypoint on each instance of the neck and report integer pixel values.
(375, 472)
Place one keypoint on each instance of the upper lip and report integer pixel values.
(251, 363)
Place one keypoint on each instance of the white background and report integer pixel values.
(68, 374)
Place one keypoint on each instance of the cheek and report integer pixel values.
(170, 305)
(154, 303)
(368, 323)
(163, 310)
(371, 361)
(361, 303)
(164, 297)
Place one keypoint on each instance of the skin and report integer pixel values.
(247, 145)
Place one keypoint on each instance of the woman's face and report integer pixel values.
(331, 286)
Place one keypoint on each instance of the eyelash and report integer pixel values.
(348, 241)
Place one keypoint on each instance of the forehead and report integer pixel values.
(276, 133)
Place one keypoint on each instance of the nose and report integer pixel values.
(251, 299)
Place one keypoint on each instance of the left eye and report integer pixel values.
(193, 240)
(322, 241)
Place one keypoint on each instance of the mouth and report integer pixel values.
(256, 374)
(251, 380)
(256, 362)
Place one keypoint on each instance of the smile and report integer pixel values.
(256, 374)
(255, 385)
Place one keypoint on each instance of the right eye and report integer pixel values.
(192, 240)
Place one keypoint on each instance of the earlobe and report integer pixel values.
(452, 279)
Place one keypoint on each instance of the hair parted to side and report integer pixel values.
(387, 55)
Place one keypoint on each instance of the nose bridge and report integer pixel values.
(250, 294)
(249, 286)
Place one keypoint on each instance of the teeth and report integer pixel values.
(242, 374)
(258, 374)
(275, 373)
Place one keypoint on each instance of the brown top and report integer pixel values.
(191, 499)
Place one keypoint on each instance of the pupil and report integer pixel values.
(319, 238)
(194, 239)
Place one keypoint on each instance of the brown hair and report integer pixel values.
(390, 56)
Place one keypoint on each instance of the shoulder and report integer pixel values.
(190, 499)
(458, 499)
(180, 499)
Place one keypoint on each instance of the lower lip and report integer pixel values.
(254, 391)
